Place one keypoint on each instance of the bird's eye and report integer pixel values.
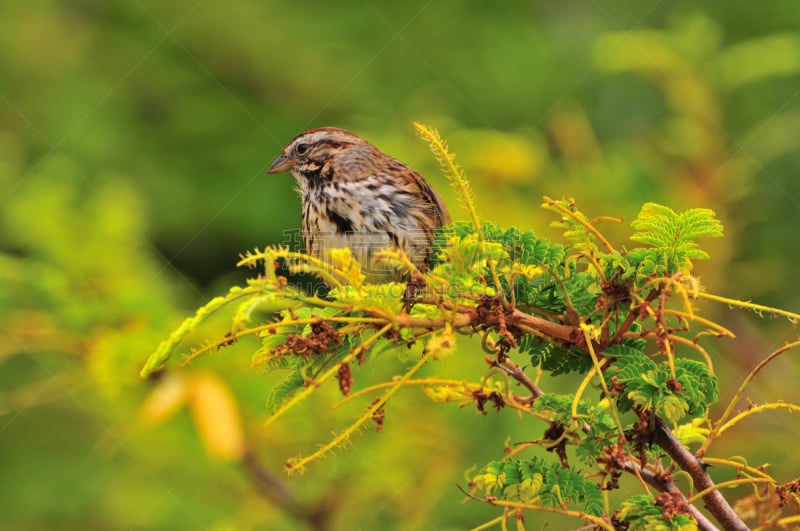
(301, 148)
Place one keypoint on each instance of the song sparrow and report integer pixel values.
(355, 196)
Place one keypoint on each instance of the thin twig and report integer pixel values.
(516, 372)
(274, 489)
(723, 420)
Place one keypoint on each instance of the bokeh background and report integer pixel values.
(134, 136)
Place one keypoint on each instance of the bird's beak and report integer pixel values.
(281, 165)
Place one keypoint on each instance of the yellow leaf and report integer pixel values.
(692, 432)
(350, 269)
(165, 400)
(216, 417)
(526, 270)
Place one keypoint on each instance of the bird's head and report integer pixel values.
(307, 154)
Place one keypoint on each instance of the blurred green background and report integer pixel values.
(134, 137)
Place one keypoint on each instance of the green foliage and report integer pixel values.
(640, 513)
(649, 388)
(662, 228)
(589, 443)
(534, 480)
(79, 304)
(575, 225)
(283, 391)
(526, 263)
(673, 239)
(164, 350)
(554, 358)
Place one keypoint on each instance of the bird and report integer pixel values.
(355, 196)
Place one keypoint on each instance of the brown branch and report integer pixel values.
(664, 483)
(516, 372)
(714, 501)
(567, 333)
(558, 331)
(634, 314)
(269, 484)
(716, 504)
(318, 517)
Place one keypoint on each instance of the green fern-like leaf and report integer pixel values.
(630, 349)
(648, 386)
(559, 409)
(158, 358)
(264, 356)
(461, 255)
(640, 513)
(672, 237)
(284, 390)
(698, 383)
(602, 429)
(553, 358)
(524, 480)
